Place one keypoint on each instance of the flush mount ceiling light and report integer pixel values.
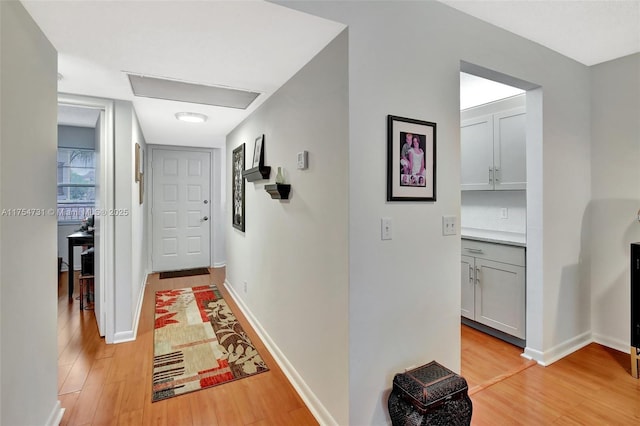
(191, 117)
(174, 90)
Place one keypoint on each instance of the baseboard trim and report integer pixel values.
(56, 415)
(136, 320)
(316, 407)
(219, 265)
(558, 352)
(610, 342)
(130, 335)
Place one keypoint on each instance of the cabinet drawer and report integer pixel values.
(496, 252)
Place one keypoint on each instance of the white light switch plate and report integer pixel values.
(386, 228)
(449, 225)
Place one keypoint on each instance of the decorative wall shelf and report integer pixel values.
(278, 191)
(257, 173)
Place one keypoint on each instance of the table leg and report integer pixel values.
(70, 273)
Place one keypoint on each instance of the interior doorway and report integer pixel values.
(102, 191)
(181, 214)
(526, 200)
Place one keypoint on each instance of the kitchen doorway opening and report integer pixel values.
(501, 201)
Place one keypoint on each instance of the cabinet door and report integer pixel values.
(500, 296)
(509, 149)
(467, 279)
(476, 153)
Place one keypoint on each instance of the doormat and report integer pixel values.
(184, 273)
(198, 343)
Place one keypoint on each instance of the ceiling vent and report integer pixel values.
(172, 90)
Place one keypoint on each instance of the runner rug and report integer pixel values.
(198, 343)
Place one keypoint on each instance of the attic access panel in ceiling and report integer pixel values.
(172, 90)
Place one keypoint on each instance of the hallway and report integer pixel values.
(111, 384)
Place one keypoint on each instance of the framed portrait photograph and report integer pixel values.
(237, 188)
(411, 159)
(258, 155)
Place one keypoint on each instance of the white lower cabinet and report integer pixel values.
(493, 286)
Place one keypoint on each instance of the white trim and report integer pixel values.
(611, 342)
(558, 352)
(318, 410)
(124, 336)
(56, 415)
(220, 265)
(106, 322)
(138, 311)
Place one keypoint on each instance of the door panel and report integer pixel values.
(500, 296)
(180, 211)
(476, 153)
(468, 287)
(510, 149)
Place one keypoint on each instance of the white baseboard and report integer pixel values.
(219, 265)
(611, 342)
(130, 335)
(138, 312)
(316, 407)
(56, 415)
(558, 352)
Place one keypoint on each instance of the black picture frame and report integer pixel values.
(237, 188)
(258, 153)
(411, 170)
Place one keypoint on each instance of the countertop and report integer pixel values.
(500, 237)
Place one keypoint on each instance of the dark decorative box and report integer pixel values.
(429, 395)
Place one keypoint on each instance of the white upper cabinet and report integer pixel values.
(493, 146)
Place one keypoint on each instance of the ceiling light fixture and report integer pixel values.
(191, 117)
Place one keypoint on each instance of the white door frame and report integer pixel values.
(106, 324)
(214, 215)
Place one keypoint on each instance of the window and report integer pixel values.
(76, 184)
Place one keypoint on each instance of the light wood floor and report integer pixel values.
(111, 384)
(592, 386)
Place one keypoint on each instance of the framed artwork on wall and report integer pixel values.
(258, 154)
(237, 188)
(411, 159)
(138, 163)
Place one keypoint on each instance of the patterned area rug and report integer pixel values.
(198, 343)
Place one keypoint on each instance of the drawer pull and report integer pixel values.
(474, 250)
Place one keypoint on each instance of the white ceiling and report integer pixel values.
(588, 31)
(256, 45)
(250, 45)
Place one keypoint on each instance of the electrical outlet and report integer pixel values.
(449, 226)
(245, 286)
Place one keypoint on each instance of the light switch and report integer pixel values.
(387, 229)
(449, 226)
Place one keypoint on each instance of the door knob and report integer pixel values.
(205, 218)
(206, 201)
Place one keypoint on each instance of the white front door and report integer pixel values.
(181, 209)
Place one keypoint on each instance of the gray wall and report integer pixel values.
(615, 134)
(293, 256)
(404, 294)
(28, 266)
